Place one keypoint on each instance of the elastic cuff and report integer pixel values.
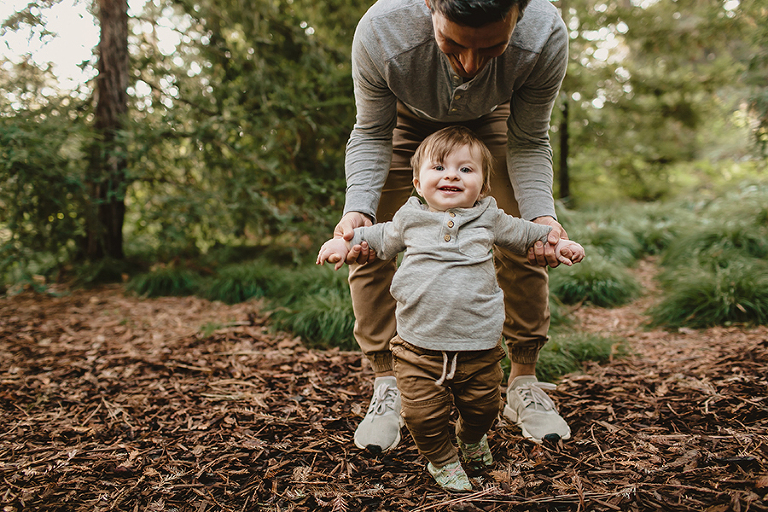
(380, 361)
(524, 355)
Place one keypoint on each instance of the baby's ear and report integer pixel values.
(417, 186)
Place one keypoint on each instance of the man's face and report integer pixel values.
(469, 49)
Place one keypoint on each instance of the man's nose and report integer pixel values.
(470, 61)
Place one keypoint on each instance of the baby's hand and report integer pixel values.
(333, 251)
(569, 252)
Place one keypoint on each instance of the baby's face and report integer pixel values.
(455, 182)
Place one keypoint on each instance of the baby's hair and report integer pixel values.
(437, 146)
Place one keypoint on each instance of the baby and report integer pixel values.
(450, 309)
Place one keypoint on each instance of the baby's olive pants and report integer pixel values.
(426, 406)
(525, 286)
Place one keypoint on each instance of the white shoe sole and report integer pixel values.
(511, 415)
(401, 422)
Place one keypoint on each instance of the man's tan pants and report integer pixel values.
(525, 286)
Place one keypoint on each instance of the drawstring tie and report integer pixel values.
(447, 375)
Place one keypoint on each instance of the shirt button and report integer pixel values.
(450, 223)
(451, 214)
(454, 110)
(447, 238)
(458, 97)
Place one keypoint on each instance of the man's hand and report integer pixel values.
(544, 254)
(345, 229)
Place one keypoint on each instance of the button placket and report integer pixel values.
(450, 228)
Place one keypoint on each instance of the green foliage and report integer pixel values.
(567, 351)
(596, 280)
(240, 282)
(702, 297)
(715, 244)
(164, 282)
(657, 226)
(614, 242)
(251, 144)
(103, 271)
(654, 85)
(716, 272)
(315, 303)
(42, 190)
(324, 319)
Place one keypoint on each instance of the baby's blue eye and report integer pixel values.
(466, 169)
(439, 168)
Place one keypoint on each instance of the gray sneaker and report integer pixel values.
(380, 429)
(533, 411)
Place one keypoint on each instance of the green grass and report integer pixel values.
(716, 242)
(324, 319)
(701, 296)
(165, 281)
(596, 280)
(614, 242)
(711, 245)
(567, 351)
(315, 304)
(243, 281)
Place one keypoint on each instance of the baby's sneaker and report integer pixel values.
(451, 477)
(477, 455)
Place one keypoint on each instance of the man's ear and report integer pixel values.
(428, 6)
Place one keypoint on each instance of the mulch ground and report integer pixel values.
(112, 402)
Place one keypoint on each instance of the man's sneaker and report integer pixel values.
(477, 455)
(380, 429)
(533, 411)
(451, 477)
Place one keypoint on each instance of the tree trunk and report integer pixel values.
(565, 180)
(107, 180)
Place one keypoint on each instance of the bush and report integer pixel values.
(324, 319)
(717, 241)
(702, 296)
(615, 242)
(596, 280)
(567, 351)
(165, 281)
(240, 282)
(315, 304)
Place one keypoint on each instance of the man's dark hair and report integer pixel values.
(477, 13)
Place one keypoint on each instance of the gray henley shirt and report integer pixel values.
(447, 295)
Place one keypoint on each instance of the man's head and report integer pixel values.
(477, 13)
(452, 169)
(473, 32)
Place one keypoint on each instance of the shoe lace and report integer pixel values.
(383, 400)
(532, 394)
(450, 475)
(473, 451)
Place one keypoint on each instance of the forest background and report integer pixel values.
(176, 168)
(212, 168)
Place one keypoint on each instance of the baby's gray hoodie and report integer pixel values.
(446, 290)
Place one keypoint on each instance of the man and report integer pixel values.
(496, 67)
